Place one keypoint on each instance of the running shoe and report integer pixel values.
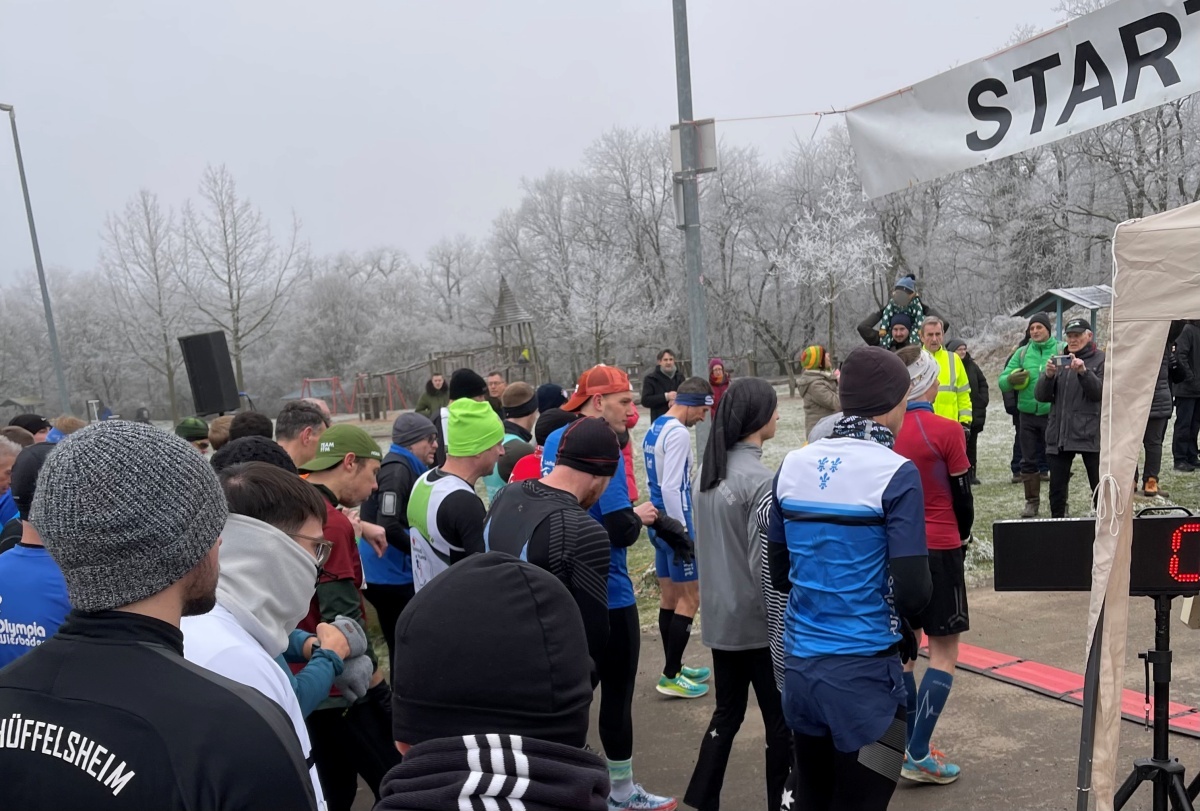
(681, 687)
(642, 800)
(697, 674)
(933, 768)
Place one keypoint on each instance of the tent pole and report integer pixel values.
(1087, 731)
(1058, 324)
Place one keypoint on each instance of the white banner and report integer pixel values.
(1127, 57)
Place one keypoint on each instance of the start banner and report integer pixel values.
(1122, 59)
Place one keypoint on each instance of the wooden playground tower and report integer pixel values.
(372, 395)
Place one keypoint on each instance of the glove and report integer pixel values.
(1018, 378)
(675, 536)
(967, 430)
(355, 636)
(355, 678)
(908, 642)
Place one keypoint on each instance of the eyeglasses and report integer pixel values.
(324, 547)
(202, 445)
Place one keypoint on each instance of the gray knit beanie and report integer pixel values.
(126, 509)
(410, 428)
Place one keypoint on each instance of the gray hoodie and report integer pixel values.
(729, 553)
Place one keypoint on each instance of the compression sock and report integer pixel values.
(681, 632)
(664, 626)
(935, 689)
(910, 684)
(620, 776)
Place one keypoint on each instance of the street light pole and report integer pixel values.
(63, 397)
(693, 269)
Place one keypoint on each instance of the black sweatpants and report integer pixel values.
(733, 673)
(829, 780)
(618, 676)
(388, 601)
(973, 447)
(348, 742)
(1060, 477)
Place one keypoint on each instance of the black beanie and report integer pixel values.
(523, 625)
(24, 475)
(466, 384)
(872, 383)
(590, 445)
(1040, 318)
(550, 421)
(252, 449)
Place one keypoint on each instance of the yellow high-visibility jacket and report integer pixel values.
(954, 388)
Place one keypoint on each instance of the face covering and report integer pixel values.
(267, 580)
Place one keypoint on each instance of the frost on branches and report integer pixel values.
(836, 248)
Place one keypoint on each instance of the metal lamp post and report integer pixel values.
(64, 398)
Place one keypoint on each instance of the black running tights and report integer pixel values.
(618, 675)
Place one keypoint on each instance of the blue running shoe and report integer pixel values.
(696, 674)
(933, 768)
(642, 800)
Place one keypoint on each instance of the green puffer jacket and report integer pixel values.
(1033, 358)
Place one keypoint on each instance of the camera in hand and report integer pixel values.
(1061, 361)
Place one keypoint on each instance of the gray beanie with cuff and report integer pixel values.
(126, 510)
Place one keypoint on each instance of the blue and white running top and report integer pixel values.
(668, 453)
(844, 507)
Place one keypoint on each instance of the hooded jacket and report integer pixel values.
(1074, 400)
(819, 390)
(254, 615)
(432, 400)
(495, 771)
(718, 387)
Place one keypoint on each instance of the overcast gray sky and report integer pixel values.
(397, 122)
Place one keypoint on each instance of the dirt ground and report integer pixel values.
(1017, 749)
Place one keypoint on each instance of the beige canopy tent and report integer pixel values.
(1156, 279)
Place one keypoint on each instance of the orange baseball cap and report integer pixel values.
(599, 379)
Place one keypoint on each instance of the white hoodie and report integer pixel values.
(266, 583)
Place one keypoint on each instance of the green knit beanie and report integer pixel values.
(192, 429)
(473, 428)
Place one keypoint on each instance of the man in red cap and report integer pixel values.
(604, 391)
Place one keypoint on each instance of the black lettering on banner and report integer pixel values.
(1001, 115)
(1087, 57)
(1156, 58)
(1037, 72)
(1191, 6)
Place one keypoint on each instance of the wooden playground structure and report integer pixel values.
(372, 395)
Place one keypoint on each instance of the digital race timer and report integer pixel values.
(1056, 555)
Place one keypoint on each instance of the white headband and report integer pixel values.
(923, 373)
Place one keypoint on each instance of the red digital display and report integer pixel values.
(1176, 543)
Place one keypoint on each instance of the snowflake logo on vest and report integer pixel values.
(826, 467)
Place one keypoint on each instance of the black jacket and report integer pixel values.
(654, 391)
(1187, 349)
(107, 714)
(868, 328)
(1074, 404)
(1162, 404)
(980, 396)
(388, 505)
(443, 773)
